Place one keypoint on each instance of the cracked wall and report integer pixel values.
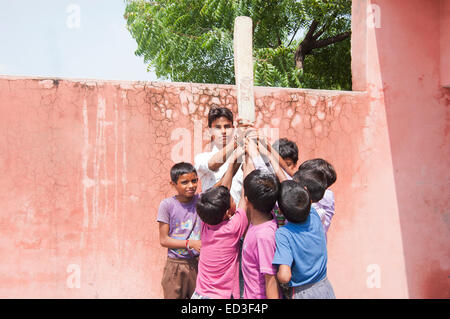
(85, 165)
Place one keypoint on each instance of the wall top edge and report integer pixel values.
(132, 84)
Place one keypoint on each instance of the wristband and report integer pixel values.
(187, 244)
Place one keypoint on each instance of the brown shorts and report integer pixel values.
(179, 278)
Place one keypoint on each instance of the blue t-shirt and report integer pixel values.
(303, 247)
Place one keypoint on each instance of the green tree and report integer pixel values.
(303, 43)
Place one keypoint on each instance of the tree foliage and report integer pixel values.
(192, 40)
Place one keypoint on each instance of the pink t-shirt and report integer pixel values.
(257, 255)
(218, 266)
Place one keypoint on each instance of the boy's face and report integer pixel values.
(289, 162)
(186, 185)
(222, 131)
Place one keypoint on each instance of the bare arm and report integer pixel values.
(233, 167)
(271, 287)
(284, 274)
(280, 160)
(273, 161)
(248, 167)
(218, 159)
(168, 242)
(221, 157)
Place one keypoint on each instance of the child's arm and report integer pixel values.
(273, 161)
(248, 167)
(284, 274)
(168, 242)
(271, 287)
(233, 167)
(218, 159)
(277, 156)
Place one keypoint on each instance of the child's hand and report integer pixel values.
(262, 149)
(239, 135)
(195, 244)
(251, 133)
(263, 139)
(238, 153)
(247, 165)
(251, 147)
(244, 123)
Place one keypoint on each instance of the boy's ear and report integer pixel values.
(247, 203)
(230, 212)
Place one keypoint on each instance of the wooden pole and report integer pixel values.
(243, 67)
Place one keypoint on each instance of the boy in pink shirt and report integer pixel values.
(260, 195)
(261, 192)
(222, 227)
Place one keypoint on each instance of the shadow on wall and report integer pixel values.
(417, 117)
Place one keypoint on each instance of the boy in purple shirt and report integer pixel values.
(179, 231)
(325, 206)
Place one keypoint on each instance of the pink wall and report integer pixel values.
(84, 165)
(416, 109)
(445, 40)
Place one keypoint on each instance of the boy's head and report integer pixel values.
(215, 205)
(261, 190)
(184, 178)
(294, 201)
(220, 121)
(288, 150)
(314, 181)
(323, 165)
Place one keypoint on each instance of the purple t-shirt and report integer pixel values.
(325, 209)
(257, 255)
(183, 221)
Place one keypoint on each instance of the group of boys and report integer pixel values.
(273, 245)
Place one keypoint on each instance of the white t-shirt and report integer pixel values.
(208, 177)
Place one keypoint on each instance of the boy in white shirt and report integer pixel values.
(212, 165)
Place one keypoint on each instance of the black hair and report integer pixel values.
(286, 149)
(261, 189)
(213, 204)
(294, 201)
(323, 165)
(217, 112)
(314, 181)
(179, 169)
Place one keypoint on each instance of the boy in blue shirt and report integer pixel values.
(301, 252)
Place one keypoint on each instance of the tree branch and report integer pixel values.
(331, 40)
(293, 36)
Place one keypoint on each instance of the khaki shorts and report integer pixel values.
(179, 278)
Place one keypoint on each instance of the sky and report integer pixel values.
(69, 39)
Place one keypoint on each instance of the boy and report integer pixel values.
(260, 195)
(288, 151)
(301, 252)
(211, 166)
(283, 157)
(221, 230)
(179, 231)
(324, 207)
(314, 181)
